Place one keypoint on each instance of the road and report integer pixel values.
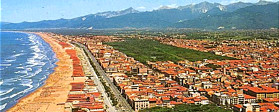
(123, 103)
(107, 101)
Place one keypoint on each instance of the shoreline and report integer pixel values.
(53, 93)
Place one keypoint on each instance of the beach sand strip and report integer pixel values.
(51, 96)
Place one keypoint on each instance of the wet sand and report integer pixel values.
(51, 96)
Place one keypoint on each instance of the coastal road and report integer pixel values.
(107, 101)
(122, 102)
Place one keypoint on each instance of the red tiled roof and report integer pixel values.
(271, 99)
(165, 98)
(238, 106)
(249, 97)
(263, 90)
(152, 99)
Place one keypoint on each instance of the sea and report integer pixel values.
(26, 62)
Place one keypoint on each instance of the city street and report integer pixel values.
(122, 102)
(107, 101)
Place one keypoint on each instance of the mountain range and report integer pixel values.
(205, 15)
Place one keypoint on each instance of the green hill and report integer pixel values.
(188, 108)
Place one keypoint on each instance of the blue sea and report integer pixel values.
(26, 61)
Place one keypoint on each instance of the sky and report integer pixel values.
(36, 10)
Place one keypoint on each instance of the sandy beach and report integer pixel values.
(53, 94)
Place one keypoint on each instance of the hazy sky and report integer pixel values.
(37, 10)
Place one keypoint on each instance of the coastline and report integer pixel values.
(52, 95)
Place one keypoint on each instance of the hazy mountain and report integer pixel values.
(252, 17)
(202, 7)
(165, 7)
(263, 2)
(79, 22)
(110, 14)
(3, 23)
(234, 6)
(202, 15)
(156, 19)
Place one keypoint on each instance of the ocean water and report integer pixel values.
(26, 61)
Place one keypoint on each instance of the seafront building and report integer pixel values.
(249, 83)
(84, 95)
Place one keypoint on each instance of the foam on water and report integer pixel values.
(1, 82)
(9, 60)
(5, 65)
(13, 95)
(4, 98)
(18, 39)
(9, 80)
(17, 55)
(3, 106)
(43, 78)
(21, 72)
(6, 92)
(20, 67)
(29, 69)
(28, 83)
(35, 73)
(25, 68)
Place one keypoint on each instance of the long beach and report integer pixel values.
(51, 96)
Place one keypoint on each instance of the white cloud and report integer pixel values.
(226, 2)
(141, 8)
(172, 6)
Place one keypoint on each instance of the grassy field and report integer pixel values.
(149, 50)
(187, 108)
